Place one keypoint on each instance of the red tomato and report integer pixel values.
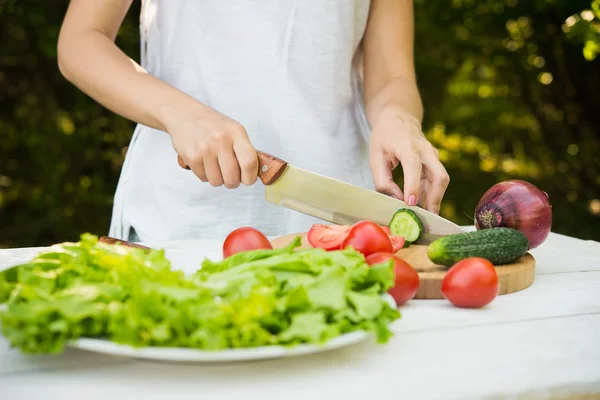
(328, 237)
(406, 277)
(471, 283)
(367, 237)
(397, 242)
(243, 239)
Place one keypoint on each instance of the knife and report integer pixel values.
(336, 201)
(125, 243)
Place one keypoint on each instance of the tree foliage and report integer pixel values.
(511, 90)
(509, 94)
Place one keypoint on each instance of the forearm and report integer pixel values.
(399, 96)
(389, 72)
(93, 63)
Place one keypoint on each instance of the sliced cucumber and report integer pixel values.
(406, 223)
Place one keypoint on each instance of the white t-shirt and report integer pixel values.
(281, 68)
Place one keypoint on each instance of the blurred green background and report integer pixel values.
(511, 90)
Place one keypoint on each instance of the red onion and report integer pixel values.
(519, 205)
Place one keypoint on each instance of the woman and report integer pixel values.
(220, 79)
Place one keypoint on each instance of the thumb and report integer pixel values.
(381, 168)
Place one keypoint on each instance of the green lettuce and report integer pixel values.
(286, 296)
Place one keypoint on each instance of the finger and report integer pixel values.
(213, 171)
(196, 165)
(230, 169)
(412, 168)
(439, 180)
(198, 170)
(424, 189)
(247, 159)
(381, 168)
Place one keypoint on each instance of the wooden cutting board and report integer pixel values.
(512, 277)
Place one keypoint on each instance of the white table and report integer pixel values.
(542, 342)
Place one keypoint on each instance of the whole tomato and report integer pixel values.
(471, 283)
(243, 239)
(406, 277)
(367, 237)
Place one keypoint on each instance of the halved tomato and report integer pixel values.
(328, 237)
(397, 242)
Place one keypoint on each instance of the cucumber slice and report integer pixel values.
(406, 223)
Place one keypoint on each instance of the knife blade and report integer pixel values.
(337, 201)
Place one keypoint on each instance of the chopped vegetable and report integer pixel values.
(328, 237)
(407, 224)
(260, 297)
(331, 237)
(398, 242)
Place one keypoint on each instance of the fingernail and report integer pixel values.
(436, 212)
(412, 200)
(395, 197)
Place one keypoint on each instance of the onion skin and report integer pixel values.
(519, 205)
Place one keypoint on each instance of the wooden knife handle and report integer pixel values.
(270, 168)
(111, 240)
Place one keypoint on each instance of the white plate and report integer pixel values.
(193, 355)
(178, 354)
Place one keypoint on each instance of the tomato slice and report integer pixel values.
(397, 242)
(328, 237)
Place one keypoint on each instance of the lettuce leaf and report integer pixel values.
(284, 296)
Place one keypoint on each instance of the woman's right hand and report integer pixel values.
(215, 147)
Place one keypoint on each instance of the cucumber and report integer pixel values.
(497, 245)
(406, 223)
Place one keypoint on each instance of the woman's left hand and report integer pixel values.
(397, 138)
